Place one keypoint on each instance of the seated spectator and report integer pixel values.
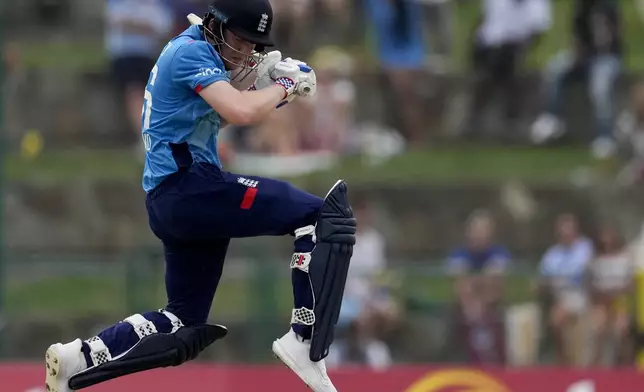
(369, 312)
(563, 269)
(308, 127)
(478, 268)
(611, 281)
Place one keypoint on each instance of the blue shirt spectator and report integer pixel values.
(566, 263)
(491, 257)
(137, 27)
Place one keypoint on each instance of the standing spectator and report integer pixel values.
(292, 26)
(327, 117)
(630, 136)
(596, 51)
(611, 282)
(479, 268)
(369, 313)
(136, 31)
(563, 269)
(506, 33)
(402, 51)
(181, 9)
(13, 90)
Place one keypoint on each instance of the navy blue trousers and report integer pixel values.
(195, 213)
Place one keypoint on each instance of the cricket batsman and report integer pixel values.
(195, 208)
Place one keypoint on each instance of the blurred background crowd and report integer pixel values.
(493, 148)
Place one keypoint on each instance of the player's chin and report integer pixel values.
(232, 65)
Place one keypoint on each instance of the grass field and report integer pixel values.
(435, 165)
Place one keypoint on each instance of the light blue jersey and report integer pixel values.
(173, 111)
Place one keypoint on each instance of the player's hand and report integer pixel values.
(264, 69)
(287, 75)
(307, 79)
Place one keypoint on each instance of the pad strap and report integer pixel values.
(174, 320)
(306, 230)
(142, 326)
(98, 351)
(303, 316)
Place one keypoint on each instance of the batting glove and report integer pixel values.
(264, 68)
(286, 74)
(307, 79)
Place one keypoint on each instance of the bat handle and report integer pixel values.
(305, 88)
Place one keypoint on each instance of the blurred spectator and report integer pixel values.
(401, 51)
(314, 128)
(328, 116)
(13, 89)
(278, 134)
(563, 269)
(506, 33)
(479, 268)
(53, 14)
(301, 23)
(611, 281)
(596, 51)
(369, 312)
(181, 9)
(136, 32)
(629, 131)
(292, 18)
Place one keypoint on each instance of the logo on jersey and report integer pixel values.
(263, 23)
(247, 182)
(147, 141)
(209, 71)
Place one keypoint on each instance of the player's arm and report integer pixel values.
(242, 107)
(196, 66)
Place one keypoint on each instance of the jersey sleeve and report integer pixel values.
(196, 65)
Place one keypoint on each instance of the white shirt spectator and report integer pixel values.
(508, 21)
(612, 272)
(368, 261)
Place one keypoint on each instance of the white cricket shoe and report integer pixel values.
(294, 352)
(62, 362)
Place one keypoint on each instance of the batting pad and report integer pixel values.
(153, 351)
(335, 237)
